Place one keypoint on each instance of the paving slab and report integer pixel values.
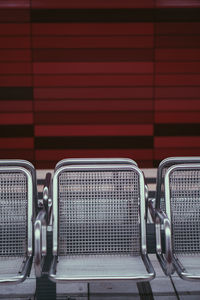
(186, 289)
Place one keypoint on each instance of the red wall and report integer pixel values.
(99, 79)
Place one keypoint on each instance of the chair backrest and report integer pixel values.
(16, 208)
(182, 196)
(98, 209)
(162, 169)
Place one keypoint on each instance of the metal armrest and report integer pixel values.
(46, 188)
(152, 209)
(21, 276)
(166, 260)
(40, 236)
(47, 198)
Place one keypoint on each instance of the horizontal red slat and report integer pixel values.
(14, 29)
(93, 42)
(102, 117)
(92, 80)
(50, 164)
(93, 93)
(177, 92)
(161, 153)
(177, 117)
(177, 80)
(94, 68)
(16, 118)
(94, 105)
(177, 67)
(13, 15)
(15, 4)
(15, 68)
(192, 41)
(94, 130)
(71, 153)
(9, 80)
(16, 106)
(177, 105)
(177, 54)
(95, 30)
(92, 4)
(177, 3)
(93, 55)
(15, 55)
(177, 28)
(15, 42)
(16, 143)
(176, 142)
(26, 154)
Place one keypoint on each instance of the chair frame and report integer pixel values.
(179, 268)
(161, 218)
(28, 170)
(97, 167)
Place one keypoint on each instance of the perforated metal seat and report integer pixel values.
(99, 229)
(178, 194)
(17, 209)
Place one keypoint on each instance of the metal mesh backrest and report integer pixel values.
(185, 210)
(99, 212)
(13, 214)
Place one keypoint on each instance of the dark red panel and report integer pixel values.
(7, 29)
(92, 4)
(177, 67)
(50, 29)
(178, 80)
(177, 117)
(95, 68)
(176, 142)
(18, 80)
(177, 28)
(16, 118)
(177, 92)
(184, 41)
(15, 55)
(15, 68)
(92, 80)
(103, 117)
(16, 143)
(177, 105)
(94, 105)
(94, 130)
(177, 3)
(15, 42)
(93, 93)
(93, 42)
(16, 106)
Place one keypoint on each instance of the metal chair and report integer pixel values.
(99, 222)
(18, 196)
(182, 196)
(178, 210)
